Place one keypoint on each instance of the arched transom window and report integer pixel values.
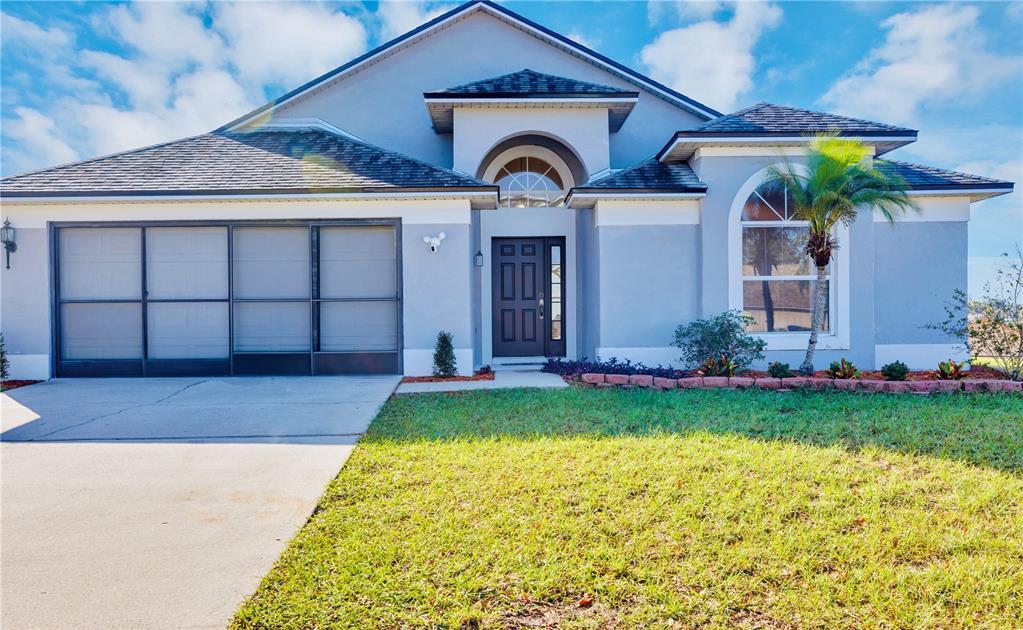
(778, 278)
(530, 182)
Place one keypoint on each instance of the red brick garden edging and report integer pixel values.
(800, 382)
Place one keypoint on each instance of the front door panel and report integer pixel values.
(521, 285)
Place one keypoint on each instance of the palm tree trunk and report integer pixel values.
(817, 319)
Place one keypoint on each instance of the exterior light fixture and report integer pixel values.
(434, 241)
(478, 258)
(7, 238)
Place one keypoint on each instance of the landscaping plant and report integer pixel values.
(895, 371)
(5, 365)
(779, 370)
(721, 366)
(991, 326)
(563, 367)
(444, 363)
(843, 370)
(724, 337)
(950, 370)
(837, 183)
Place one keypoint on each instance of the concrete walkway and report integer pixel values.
(502, 380)
(160, 503)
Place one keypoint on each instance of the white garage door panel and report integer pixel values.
(186, 263)
(100, 263)
(188, 330)
(101, 331)
(358, 326)
(271, 262)
(358, 262)
(271, 327)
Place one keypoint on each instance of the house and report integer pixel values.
(480, 174)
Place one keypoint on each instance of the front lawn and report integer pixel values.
(629, 508)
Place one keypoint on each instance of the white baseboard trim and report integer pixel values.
(648, 356)
(30, 367)
(419, 362)
(918, 356)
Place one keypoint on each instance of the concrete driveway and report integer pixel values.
(160, 503)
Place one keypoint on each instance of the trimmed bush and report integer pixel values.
(723, 335)
(895, 371)
(560, 366)
(779, 370)
(5, 364)
(444, 363)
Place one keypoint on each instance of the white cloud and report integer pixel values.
(684, 10)
(397, 17)
(589, 42)
(287, 43)
(38, 137)
(43, 41)
(937, 54)
(712, 61)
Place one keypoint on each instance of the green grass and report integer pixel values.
(697, 509)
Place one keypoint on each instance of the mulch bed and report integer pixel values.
(6, 385)
(482, 375)
(975, 372)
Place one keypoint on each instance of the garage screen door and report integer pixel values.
(230, 299)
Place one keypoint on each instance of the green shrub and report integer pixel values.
(950, 370)
(779, 370)
(444, 363)
(724, 336)
(843, 370)
(895, 371)
(721, 366)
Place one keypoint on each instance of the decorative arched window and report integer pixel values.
(778, 278)
(530, 182)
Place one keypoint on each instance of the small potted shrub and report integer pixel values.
(444, 363)
(895, 371)
(778, 369)
(950, 370)
(843, 370)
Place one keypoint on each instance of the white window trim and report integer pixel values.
(838, 337)
(533, 151)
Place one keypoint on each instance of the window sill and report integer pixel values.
(798, 341)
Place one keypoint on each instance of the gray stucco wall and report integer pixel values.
(649, 282)
(918, 267)
(25, 294)
(588, 299)
(378, 107)
(436, 286)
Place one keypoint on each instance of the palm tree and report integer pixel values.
(837, 182)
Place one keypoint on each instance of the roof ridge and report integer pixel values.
(862, 120)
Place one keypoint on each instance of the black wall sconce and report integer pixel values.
(478, 258)
(7, 238)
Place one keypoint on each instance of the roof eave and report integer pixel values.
(459, 96)
(974, 192)
(581, 198)
(687, 142)
(72, 196)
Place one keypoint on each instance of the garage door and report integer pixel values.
(296, 298)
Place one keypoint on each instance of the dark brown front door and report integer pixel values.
(528, 307)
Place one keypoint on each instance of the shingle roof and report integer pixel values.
(770, 119)
(529, 83)
(648, 176)
(920, 177)
(267, 161)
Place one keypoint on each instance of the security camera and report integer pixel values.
(434, 241)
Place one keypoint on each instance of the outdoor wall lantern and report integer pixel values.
(478, 258)
(434, 241)
(7, 238)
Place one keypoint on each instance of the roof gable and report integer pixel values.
(269, 161)
(919, 177)
(503, 14)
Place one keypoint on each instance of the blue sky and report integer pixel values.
(86, 78)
